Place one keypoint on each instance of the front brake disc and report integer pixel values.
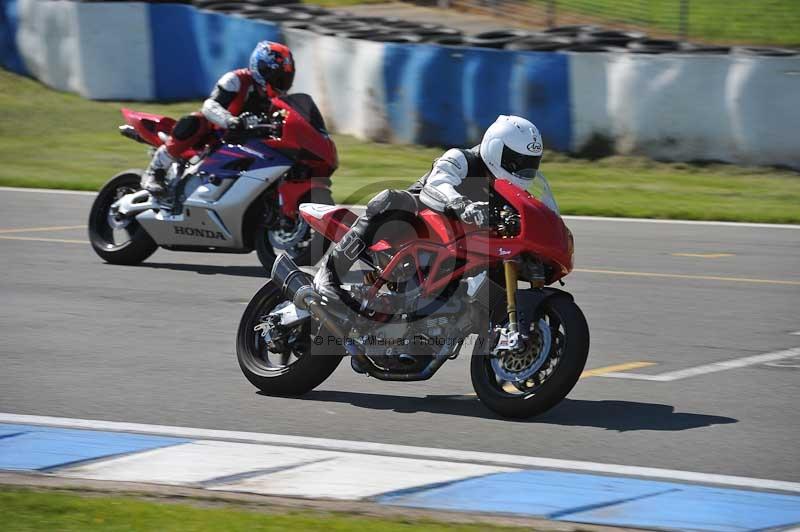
(519, 367)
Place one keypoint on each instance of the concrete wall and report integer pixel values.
(676, 107)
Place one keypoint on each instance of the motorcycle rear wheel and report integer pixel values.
(560, 371)
(290, 373)
(309, 250)
(102, 235)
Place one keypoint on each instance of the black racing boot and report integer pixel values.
(339, 259)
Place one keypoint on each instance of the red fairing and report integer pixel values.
(291, 192)
(148, 126)
(332, 222)
(314, 148)
(543, 232)
(460, 249)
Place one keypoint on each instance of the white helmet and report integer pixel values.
(512, 148)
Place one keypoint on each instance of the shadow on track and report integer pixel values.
(208, 269)
(620, 416)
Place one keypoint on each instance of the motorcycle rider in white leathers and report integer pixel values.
(459, 183)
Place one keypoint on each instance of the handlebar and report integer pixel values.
(507, 221)
(266, 126)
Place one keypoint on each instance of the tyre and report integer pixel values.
(654, 46)
(288, 367)
(496, 39)
(705, 49)
(572, 31)
(447, 40)
(403, 38)
(295, 238)
(536, 380)
(610, 37)
(118, 241)
(540, 44)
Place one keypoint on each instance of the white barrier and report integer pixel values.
(99, 51)
(734, 108)
(345, 78)
(731, 108)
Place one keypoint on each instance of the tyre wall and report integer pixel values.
(734, 108)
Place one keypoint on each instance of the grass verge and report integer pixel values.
(34, 511)
(56, 140)
(776, 22)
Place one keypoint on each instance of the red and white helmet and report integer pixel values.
(512, 149)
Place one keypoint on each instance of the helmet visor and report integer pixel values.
(279, 78)
(521, 165)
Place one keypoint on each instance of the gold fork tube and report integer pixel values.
(510, 270)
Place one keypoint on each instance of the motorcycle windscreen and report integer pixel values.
(540, 189)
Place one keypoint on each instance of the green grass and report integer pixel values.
(31, 511)
(57, 140)
(774, 22)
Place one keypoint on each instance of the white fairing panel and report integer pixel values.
(212, 216)
(317, 210)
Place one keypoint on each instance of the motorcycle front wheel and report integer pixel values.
(287, 365)
(293, 237)
(531, 382)
(118, 240)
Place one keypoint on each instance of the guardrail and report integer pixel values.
(737, 108)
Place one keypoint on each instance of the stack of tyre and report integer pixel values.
(328, 22)
(581, 38)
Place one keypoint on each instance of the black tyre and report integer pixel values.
(447, 40)
(555, 365)
(654, 46)
(297, 239)
(293, 371)
(540, 43)
(118, 241)
(572, 31)
(495, 39)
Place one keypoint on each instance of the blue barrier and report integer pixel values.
(9, 54)
(421, 93)
(448, 96)
(193, 48)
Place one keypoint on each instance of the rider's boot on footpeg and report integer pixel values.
(154, 178)
(339, 259)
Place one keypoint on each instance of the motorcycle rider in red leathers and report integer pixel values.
(237, 98)
(459, 183)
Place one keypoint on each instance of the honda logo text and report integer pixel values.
(203, 233)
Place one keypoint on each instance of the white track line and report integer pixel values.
(48, 191)
(384, 449)
(680, 222)
(566, 217)
(708, 368)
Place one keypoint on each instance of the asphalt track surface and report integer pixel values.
(155, 344)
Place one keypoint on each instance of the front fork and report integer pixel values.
(510, 270)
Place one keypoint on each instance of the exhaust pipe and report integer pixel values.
(298, 286)
(295, 284)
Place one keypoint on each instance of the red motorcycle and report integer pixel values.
(430, 283)
(240, 193)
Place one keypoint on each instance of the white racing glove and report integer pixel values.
(472, 212)
(477, 212)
